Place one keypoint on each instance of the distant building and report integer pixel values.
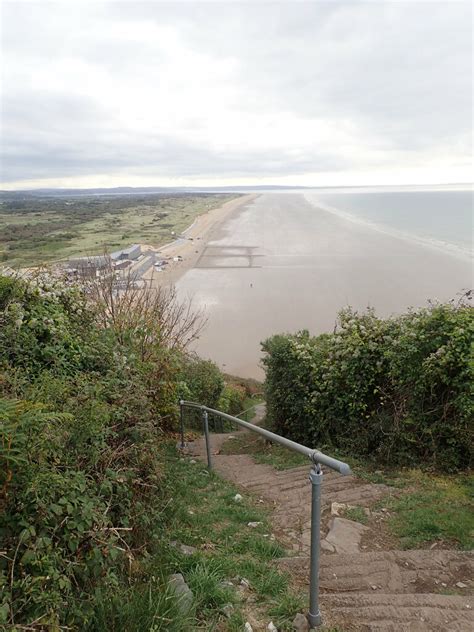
(140, 267)
(132, 252)
(89, 266)
(122, 264)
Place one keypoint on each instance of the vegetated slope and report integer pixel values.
(397, 390)
(89, 382)
(35, 229)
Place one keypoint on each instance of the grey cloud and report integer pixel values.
(408, 64)
(158, 157)
(400, 73)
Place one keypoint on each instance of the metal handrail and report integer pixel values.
(317, 459)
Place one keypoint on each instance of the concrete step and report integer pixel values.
(390, 612)
(419, 571)
(370, 591)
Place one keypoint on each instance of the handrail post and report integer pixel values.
(316, 478)
(181, 421)
(205, 423)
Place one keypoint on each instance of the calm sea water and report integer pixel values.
(442, 217)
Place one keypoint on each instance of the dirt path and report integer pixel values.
(366, 585)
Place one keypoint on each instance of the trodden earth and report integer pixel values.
(366, 583)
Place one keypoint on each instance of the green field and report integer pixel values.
(37, 230)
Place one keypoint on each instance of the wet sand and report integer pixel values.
(280, 264)
(201, 231)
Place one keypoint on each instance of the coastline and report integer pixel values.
(198, 234)
(442, 247)
(306, 265)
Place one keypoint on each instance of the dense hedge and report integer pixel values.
(397, 390)
(80, 476)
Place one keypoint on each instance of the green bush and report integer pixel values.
(80, 415)
(47, 324)
(202, 381)
(397, 390)
(232, 399)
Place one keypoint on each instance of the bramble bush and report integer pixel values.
(397, 390)
(202, 381)
(82, 407)
(232, 399)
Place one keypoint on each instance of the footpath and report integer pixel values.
(365, 583)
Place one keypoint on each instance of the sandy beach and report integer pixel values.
(276, 263)
(201, 231)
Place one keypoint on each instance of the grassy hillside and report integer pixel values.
(36, 230)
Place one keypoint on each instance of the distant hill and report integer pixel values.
(31, 193)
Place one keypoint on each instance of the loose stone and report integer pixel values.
(182, 592)
(300, 623)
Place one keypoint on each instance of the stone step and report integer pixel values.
(336, 484)
(331, 490)
(367, 591)
(294, 474)
(299, 501)
(401, 612)
(278, 479)
(363, 495)
(417, 571)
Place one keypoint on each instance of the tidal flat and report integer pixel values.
(281, 264)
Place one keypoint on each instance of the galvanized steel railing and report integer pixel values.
(317, 459)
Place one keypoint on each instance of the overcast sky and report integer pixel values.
(313, 93)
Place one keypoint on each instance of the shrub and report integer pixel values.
(397, 390)
(202, 381)
(55, 525)
(83, 400)
(46, 323)
(232, 399)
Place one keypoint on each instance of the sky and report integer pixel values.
(229, 93)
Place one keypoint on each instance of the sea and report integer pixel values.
(291, 260)
(440, 217)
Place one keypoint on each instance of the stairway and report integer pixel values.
(370, 589)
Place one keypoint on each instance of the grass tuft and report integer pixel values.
(436, 509)
(268, 453)
(357, 514)
(144, 607)
(201, 512)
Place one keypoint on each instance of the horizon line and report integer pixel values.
(229, 186)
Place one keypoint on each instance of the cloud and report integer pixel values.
(333, 92)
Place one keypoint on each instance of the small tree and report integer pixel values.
(142, 313)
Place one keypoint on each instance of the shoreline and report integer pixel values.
(197, 234)
(443, 247)
(306, 265)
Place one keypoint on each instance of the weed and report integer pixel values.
(142, 608)
(357, 514)
(283, 612)
(263, 452)
(435, 508)
(201, 511)
(206, 582)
